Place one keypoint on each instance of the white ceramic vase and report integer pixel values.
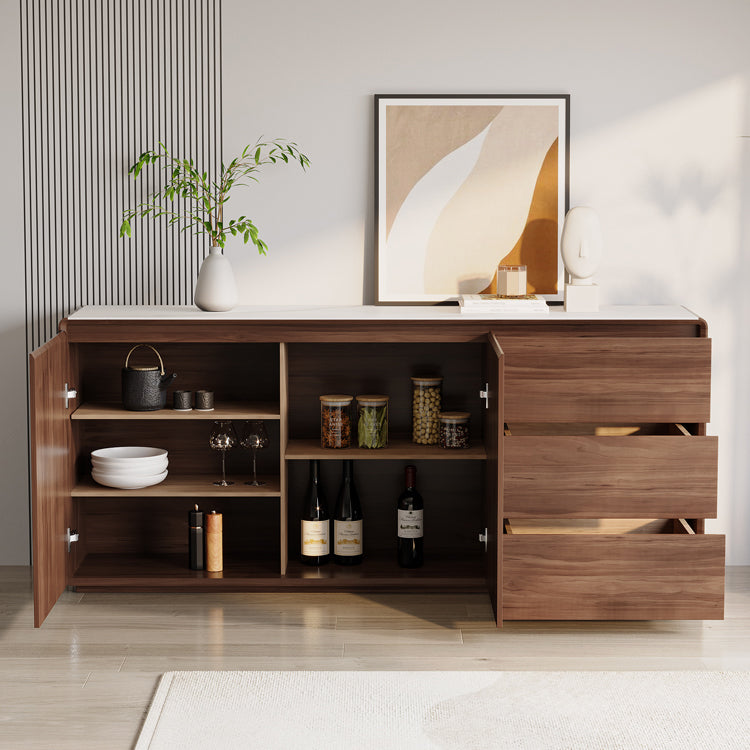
(216, 289)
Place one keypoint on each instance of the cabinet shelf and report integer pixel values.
(183, 485)
(398, 449)
(227, 410)
(108, 572)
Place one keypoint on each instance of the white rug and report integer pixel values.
(449, 711)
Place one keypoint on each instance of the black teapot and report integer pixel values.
(145, 388)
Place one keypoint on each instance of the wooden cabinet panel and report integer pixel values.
(51, 471)
(612, 379)
(494, 483)
(613, 577)
(637, 476)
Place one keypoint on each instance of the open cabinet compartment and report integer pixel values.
(452, 481)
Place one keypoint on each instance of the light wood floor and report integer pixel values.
(85, 679)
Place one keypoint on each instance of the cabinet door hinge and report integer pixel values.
(483, 538)
(485, 394)
(71, 535)
(70, 393)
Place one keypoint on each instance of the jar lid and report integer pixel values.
(372, 400)
(454, 416)
(437, 380)
(336, 399)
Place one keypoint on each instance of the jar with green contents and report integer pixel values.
(372, 421)
(426, 398)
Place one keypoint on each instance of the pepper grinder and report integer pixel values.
(214, 542)
(196, 539)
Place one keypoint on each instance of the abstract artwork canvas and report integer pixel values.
(464, 183)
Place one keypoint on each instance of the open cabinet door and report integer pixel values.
(51, 471)
(495, 425)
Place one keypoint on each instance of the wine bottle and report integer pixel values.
(410, 545)
(347, 522)
(315, 531)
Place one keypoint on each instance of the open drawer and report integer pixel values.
(590, 471)
(629, 380)
(604, 569)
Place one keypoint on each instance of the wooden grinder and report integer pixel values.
(214, 542)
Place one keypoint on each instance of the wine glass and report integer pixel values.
(223, 438)
(254, 438)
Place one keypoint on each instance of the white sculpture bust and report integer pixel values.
(581, 248)
(581, 244)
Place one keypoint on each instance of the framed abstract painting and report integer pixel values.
(465, 183)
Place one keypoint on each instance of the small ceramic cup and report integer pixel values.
(183, 400)
(204, 400)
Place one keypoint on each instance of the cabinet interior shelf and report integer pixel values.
(226, 410)
(396, 449)
(107, 572)
(184, 485)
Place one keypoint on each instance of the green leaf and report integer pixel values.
(125, 228)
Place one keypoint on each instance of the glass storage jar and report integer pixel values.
(454, 429)
(335, 421)
(425, 408)
(372, 421)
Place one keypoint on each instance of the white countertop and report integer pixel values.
(438, 313)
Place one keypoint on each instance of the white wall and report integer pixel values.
(659, 94)
(14, 499)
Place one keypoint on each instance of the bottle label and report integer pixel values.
(315, 538)
(348, 538)
(410, 524)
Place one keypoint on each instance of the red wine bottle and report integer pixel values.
(347, 522)
(315, 531)
(410, 512)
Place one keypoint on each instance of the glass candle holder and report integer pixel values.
(511, 281)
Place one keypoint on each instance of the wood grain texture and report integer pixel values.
(397, 449)
(612, 380)
(235, 410)
(283, 440)
(51, 471)
(608, 477)
(269, 331)
(182, 485)
(494, 485)
(613, 577)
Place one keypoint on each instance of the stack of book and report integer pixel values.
(494, 303)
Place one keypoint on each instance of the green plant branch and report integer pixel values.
(208, 197)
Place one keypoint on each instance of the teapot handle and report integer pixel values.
(152, 349)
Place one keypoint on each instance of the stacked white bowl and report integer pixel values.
(129, 467)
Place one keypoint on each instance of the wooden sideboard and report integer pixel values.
(583, 494)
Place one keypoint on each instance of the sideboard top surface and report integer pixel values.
(365, 323)
(433, 313)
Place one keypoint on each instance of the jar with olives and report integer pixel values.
(454, 429)
(426, 398)
(335, 421)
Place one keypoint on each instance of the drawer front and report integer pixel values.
(607, 379)
(613, 577)
(569, 476)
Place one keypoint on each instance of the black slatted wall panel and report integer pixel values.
(102, 81)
